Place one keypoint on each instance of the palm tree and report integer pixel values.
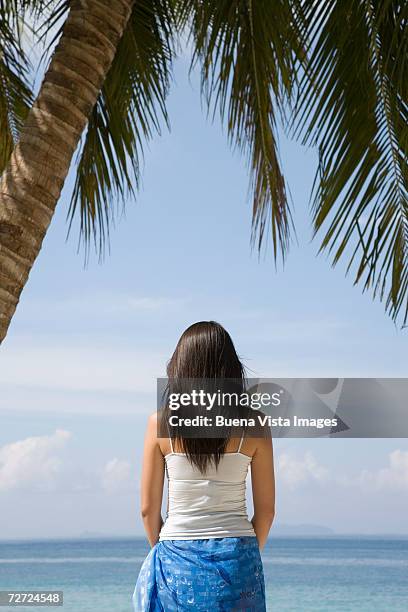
(333, 73)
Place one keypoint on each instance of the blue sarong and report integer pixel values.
(217, 575)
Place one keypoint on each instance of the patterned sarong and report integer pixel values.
(213, 575)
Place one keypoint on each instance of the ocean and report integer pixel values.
(305, 574)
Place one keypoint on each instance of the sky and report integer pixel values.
(79, 366)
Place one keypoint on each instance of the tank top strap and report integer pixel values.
(241, 441)
(170, 438)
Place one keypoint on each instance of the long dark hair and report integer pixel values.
(205, 351)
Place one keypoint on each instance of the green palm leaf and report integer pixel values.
(126, 115)
(19, 20)
(353, 105)
(248, 52)
(15, 92)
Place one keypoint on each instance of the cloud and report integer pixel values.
(32, 463)
(293, 471)
(116, 476)
(394, 476)
(36, 464)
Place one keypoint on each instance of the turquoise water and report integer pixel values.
(301, 574)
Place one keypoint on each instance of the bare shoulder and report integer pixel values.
(154, 435)
(152, 421)
(253, 446)
(262, 445)
(151, 429)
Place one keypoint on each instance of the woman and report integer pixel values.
(206, 554)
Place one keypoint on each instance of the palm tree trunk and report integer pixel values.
(31, 184)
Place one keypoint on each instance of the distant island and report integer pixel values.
(280, 529)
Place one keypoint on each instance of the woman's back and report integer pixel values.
(210, 504)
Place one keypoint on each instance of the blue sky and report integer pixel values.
(79, 366)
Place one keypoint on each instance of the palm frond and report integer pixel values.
(50, 27)
(15, 92)
(353, 105)
(249, 53)
(128, 111)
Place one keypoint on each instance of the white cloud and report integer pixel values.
(116, 476)
(33, 462)
(394, 476)
(36, 464)
(293, 471)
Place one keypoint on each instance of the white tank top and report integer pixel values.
(210, 505)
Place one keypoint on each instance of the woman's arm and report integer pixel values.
(263, 489)
(152, 483)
